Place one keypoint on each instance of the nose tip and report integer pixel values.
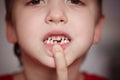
(56, 17)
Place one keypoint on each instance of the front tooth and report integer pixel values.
(66, 41)
(53, 38)
(51, 41)
(49, 38)
(66, 38)
(58, 38)
(48, 42)
(62, 42)
(63, 37)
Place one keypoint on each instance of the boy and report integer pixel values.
(53, 36)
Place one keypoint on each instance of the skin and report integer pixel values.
(60, 63)
(32, 22)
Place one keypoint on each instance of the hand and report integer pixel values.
(61, 67)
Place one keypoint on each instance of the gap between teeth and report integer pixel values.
(57, 39)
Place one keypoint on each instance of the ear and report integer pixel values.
(10, 32)
(98, 30)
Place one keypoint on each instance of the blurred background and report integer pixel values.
(103, 59)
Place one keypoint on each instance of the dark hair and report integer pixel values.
(17, 52)
(100, 2)
(9, 5)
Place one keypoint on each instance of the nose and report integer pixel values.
(56, 15)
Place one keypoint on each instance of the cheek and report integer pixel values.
(84, 24)
(85, 32)
(82, 28)
(29, 30)
(28, 26)
(26, 29)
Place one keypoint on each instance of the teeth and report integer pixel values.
(48, 42)
(57, 39)
(49, 38)
(53, 38)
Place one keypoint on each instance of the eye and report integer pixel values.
(35, 2)
(77, 2)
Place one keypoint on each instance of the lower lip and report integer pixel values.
(50, 46)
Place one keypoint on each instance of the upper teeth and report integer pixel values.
(57, 39)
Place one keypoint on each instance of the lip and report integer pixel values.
(56, 33)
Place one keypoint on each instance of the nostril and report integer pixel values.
(51, 20)
(55, 21)
(56, 18)
(61, 20)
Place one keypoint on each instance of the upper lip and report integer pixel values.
(56, 33)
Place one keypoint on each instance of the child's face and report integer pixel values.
(37, 20)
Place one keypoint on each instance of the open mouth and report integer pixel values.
(56, 37)
(57, 40)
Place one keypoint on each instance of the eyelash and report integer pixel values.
(77, 2)
(36, 2)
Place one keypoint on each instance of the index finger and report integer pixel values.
(62, 73)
